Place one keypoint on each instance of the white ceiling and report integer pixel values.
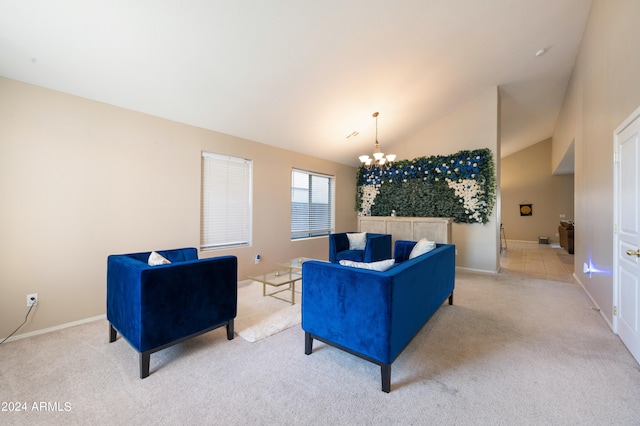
(302, 75)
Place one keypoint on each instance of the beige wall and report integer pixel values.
(475, 125)
(526, 178)
(603, 91)
(81, 180)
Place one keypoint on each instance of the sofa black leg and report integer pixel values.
(451, 298)
(145, 357)
(112, 334)
(230, 329)
(385, 371)
(308, 343)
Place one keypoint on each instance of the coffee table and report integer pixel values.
(295, 265)
(279, 279)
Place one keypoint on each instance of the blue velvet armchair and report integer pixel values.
(378, 247)
(154, 307)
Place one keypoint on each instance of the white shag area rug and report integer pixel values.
(263, 316)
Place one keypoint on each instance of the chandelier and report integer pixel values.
(378, 157)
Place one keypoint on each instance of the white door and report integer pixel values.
(627, 236)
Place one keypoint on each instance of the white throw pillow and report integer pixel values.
(156, 259)
(422, 246)
(381, 265)
(357, 241)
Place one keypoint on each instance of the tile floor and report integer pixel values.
(543, 261)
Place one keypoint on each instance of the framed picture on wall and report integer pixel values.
(526, 209)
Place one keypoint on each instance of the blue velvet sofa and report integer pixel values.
(374, 314)
(378, 247)
(154, 307)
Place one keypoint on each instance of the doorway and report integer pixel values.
(626, 277)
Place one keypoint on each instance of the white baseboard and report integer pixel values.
(57, 327)
(482, 271)
(533, 242)
(593, 301)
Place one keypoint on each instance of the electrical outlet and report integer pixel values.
(257, 259)
(32, 299)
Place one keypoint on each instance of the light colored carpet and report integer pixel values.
(263, 316)
(510, 351)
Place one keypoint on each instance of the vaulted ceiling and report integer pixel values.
(303, 75)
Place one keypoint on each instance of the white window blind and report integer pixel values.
(312, 204)
(226, 201)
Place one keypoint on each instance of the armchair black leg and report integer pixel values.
(385, 371)
(112, 334)
(308, 343)
(451, 298)
(230, 329)
(145, 358)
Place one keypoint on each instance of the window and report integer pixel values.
(312, 209)
(226, 201)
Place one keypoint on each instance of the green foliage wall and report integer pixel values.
(461, 186)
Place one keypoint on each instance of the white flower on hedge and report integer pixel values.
(468, 191)
(369, 193)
